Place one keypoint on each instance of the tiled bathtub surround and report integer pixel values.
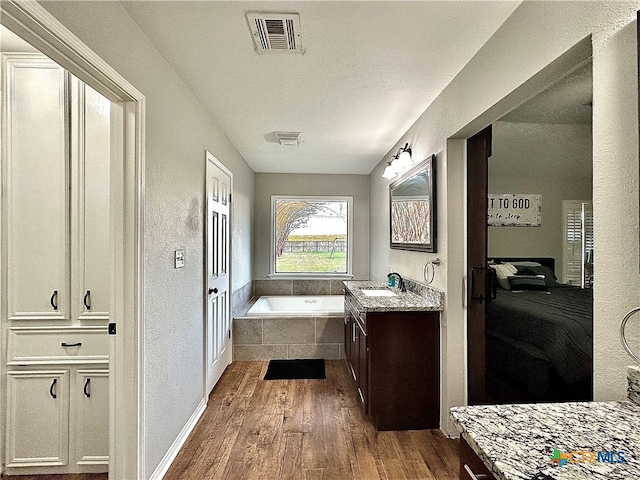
(240, 297)
(297, 287)
(266, 338)
(633, 376)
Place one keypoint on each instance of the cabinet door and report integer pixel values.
(37, 418)
(36, 181)
(361, 362)
(347, 336)
(90, 147)
(90, 412)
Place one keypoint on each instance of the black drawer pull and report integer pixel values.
(53, 385)
(86, 299)
(86, 388)
(65, 344)
(54, 300)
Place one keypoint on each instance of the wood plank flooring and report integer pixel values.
(303, 429)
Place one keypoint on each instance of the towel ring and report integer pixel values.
(623, 339)
(425, 270)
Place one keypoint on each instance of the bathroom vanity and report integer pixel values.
(392, 349)
(596, 440)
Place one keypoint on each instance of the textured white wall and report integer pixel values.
(268, 184)
(177, 135)
(533, 37)
(548, 159)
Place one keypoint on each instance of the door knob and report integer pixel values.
(213, 290)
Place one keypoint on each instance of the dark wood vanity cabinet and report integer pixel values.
(394, 359)
(471, 467)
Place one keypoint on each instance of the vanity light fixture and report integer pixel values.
(389, 171)
(398, 163)
(404, 157)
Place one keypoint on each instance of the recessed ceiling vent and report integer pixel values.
(275, 32)
(288, 138)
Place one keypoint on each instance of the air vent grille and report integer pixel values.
(275, 31)
(288, 138)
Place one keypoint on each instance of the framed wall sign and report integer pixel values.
(514, 210)
(412, 209)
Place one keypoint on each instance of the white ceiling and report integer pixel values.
(568, 101)
(368, 72)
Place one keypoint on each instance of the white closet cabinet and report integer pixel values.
(90, 153)
(91, 417)
(36, 172)
(38, 413)
(57, 181)
(55, 238)
(58, 418)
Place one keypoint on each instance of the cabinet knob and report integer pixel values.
(86, 388)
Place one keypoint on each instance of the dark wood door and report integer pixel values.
(478, 153)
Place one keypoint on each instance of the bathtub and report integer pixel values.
(298, 306)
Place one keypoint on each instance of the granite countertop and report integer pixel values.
(418, 297)
(516, 442)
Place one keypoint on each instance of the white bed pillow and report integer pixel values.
(503, 272)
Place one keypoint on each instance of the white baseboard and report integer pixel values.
(171, 454)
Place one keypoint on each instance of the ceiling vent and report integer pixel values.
(275, 32)
(288, 138)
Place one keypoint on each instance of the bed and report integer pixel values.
(539, 339)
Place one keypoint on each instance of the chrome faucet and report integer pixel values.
(400, 283)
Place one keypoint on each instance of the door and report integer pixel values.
(37, 418)
(36, 182)
(90, 159)
(217, 224)
(478, 153)
(362, 358)
(91, 417)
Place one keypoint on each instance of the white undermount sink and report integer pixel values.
(378, 293)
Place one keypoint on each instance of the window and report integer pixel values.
(578, 242)
(311, 236)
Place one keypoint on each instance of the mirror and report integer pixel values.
(412, 208)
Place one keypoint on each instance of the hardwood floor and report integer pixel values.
(303, 429)
(70, 476)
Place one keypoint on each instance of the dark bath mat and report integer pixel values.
(295, 369)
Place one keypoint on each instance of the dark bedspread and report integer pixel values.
(560, 323)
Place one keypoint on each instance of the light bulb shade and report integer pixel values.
(404, 159)
(389, 172)
(395, 164)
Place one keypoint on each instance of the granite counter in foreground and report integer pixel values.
(517, 442)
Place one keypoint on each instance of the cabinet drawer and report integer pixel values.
(36, 345)
(471, 467)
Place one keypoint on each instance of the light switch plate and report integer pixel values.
(179, 259)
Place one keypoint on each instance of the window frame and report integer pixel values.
(311, 275)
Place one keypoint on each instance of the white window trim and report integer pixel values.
(311, 275)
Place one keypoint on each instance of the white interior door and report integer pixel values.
(218, 322)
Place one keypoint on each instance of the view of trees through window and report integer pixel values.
(310, 236)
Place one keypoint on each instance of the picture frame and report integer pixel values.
(412, 209)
